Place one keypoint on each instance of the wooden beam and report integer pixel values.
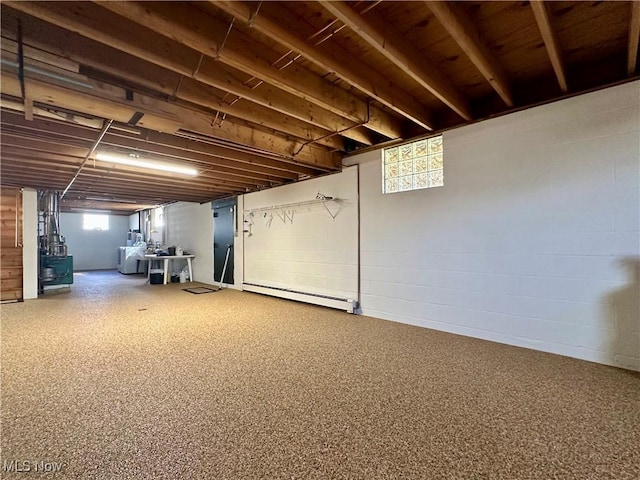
(18, 163)
(250, 161)
(296, 104)
(103, 103)
(63, 137)
(128, 183)
(204, 95)
(39, 145)
(79, 17)
(103, 170)
(634, 38)
(55, 159)
(117, 32)
(53, 164)
(57, 162)
(209, 100)
(225, 159)
(82, 18)
(91, 103)
(112, 175)
(186, 26)
(28, 105)
(142, 73)
(212, 101)
(158, 192)
(290, 151)
(463, 30)
(382, 36)
(551, 41)
(351, 70)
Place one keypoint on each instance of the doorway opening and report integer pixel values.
(224, 230)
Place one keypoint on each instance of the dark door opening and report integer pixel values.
(223, 237)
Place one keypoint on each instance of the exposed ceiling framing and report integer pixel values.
(260, 94)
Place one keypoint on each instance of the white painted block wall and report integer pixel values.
(190, 225)
(534, 239)
(30, 244)
(134, 221)
(94, 249)
(314, 253)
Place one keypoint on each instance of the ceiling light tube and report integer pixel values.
(134, 161)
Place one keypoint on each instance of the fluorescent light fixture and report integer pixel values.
(134, 161)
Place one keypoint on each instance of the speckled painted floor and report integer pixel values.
(117, 379)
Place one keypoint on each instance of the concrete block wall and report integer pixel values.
(313, 253)
(534, 239)
(190, 225)
(94, 249)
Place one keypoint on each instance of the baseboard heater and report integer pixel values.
(348, 304)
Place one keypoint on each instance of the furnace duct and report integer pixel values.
(52, 244)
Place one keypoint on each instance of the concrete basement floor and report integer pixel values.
(117, 379)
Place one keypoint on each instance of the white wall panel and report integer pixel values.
(314, 253)
(190, 225)
(30, 243)
(94, 249)
(534, 239)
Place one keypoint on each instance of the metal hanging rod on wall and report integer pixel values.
(291, 206)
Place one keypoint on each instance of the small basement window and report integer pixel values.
(92, 221)
(413, 166)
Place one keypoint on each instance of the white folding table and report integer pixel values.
(165, 261)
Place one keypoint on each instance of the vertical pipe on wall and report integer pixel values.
(359, 281)
(235, 220)
(18, 199)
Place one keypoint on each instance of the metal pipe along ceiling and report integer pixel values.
(87, 156)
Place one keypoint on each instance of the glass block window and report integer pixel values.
(413, 166)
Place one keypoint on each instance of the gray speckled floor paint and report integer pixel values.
(117, 379)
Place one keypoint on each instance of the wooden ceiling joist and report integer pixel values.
(89, 22)
(117, 64)
(238, 175)
(183, 187)
(109, 176)
(206, 96)
(104, 103)
(82, 18)
(634, 38)
(464, 31)
(386, 40)
(187, 27)
(167, 191)
(75, 140)
(258, 94)
(91, 103)
(350, 69)
(550, 41)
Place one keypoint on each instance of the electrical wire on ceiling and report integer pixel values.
(285, 56)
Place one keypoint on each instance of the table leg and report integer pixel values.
(166, 269)
(190, 270)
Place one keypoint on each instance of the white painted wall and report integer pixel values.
(157, 222)
(94, 249)
(190, 225)
(534, 239)
(29, 243)
(313, 253)
(134, 222)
